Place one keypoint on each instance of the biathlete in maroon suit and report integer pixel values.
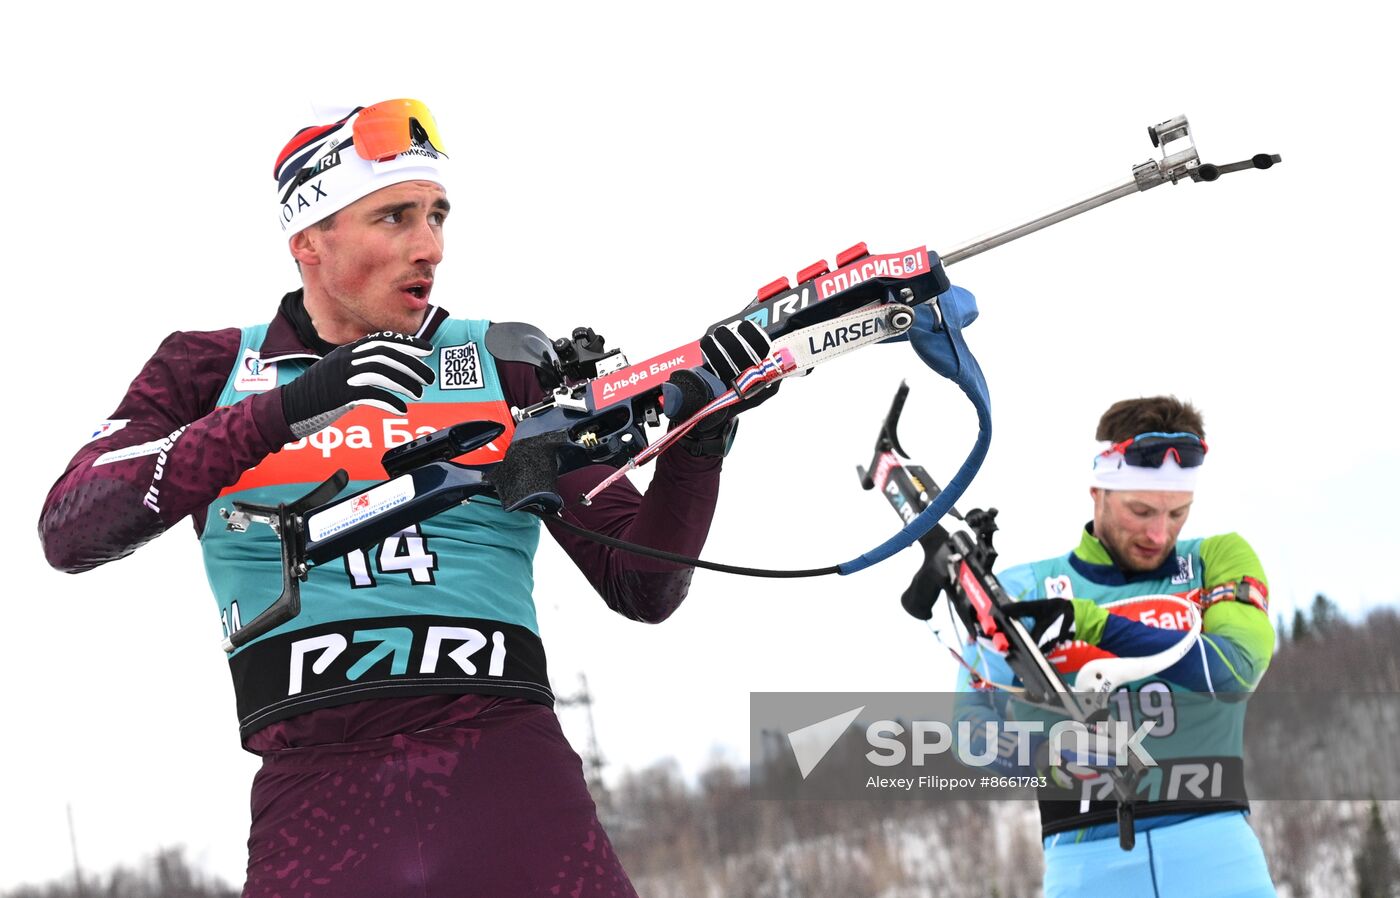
(404, 717)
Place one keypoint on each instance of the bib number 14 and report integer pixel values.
(406, 552)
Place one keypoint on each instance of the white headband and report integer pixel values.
(335, 180)
(1112, 472)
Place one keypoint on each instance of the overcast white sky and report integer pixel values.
(643, 170)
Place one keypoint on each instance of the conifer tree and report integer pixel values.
(1326, 616)
(1377, 867)
(1300, 625)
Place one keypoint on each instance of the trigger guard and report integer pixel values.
(544, 502)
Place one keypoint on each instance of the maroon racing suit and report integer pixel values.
(427, 794)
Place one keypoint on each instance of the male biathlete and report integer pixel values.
(404, 717)
(1142, 487)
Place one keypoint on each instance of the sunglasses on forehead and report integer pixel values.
(1150, 450)
(380, 132)
(386, 129)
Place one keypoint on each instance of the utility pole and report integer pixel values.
(73, 842)
(592, 756)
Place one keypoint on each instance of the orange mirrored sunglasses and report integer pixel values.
(386, 129)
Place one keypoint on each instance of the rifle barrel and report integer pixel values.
(991, 241)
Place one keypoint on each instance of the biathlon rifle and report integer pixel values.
(958, 565)
(599, 405)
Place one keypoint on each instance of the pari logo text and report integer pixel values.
(782, 306)
(449, 647)
(306, 190)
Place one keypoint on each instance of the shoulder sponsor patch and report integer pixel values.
(1059, 587)
(459, 368)
(107, 428)
(255, 375)
(129, 452)
(1183, 570)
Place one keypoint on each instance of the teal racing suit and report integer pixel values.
(1223, 577)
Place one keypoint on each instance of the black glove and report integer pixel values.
(1052, 620)
(369, 371)
(729, 350)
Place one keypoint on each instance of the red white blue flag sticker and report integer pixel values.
(107, 428)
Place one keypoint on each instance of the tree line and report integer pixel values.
(707, 837)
